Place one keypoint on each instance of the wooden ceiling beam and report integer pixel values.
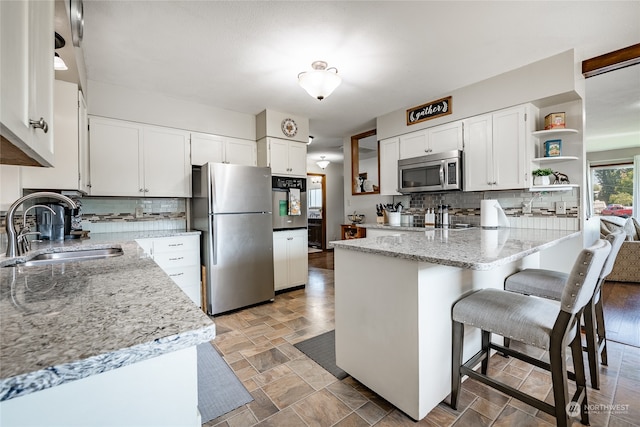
(611, 61)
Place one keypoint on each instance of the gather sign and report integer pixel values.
(429, 111)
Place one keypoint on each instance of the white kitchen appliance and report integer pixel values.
(231, 205)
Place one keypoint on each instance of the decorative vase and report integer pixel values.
(542, 180)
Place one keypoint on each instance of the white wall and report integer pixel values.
(554, 77)
(149, 107)
(335, 200)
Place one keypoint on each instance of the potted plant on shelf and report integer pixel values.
(542, 176)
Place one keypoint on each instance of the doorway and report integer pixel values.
(316, 211)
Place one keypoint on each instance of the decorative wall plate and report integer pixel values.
(289, 127)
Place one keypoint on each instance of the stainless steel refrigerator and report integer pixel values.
(231, 206)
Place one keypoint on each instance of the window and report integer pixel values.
(613, 189)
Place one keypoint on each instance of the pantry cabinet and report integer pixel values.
(220, 149)
(389, 156)
(497, 149)
(283, 156)
(71, 170)
(131, 159)
(179, 257)
(290, 258)
(437, 139)
(26, 79)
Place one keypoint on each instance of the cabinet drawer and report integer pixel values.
(184, 276)
(174, 244)
(168, 260)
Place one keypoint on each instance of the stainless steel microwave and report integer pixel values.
(433, 172)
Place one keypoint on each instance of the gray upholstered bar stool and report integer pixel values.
(537, 322)
(549, 284)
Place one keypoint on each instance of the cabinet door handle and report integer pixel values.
(176, 244)
(176, 274)
(39, 124)
(176, 259)
(146, 190)
(141, 190)
(289, 238)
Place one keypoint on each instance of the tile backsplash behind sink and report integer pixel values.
(116, 214)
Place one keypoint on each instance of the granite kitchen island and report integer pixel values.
(393, 299)
(102, 342)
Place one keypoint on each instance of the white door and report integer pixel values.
(413, 144)
(241, 152)
(389, 155)
(298, 158)
(167, 166)
(280, 260)
(445, 137)
(84, 182)
(297, 245)
(478, 159)
(206, 148)
(115, 152)
(279, 156)
(509, 148)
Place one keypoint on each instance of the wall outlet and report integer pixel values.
(526, 208)
(561, 208)
(139, 212)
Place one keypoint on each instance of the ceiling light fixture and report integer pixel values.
(321, 81)
(322, 164)
(58, 63)
(310, 139)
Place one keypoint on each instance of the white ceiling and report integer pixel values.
(245, 55)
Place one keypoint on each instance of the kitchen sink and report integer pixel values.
(72, 256)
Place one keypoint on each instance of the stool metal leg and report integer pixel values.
(600, 329)
(581, 381)
(456, 362)
(486, 339)
(592, 344)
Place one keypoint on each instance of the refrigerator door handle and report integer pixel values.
(214, 241)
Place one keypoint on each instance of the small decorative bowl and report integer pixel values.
(356, 218)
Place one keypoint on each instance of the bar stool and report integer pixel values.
(549, 284)
(533, 321)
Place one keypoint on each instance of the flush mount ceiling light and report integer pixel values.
(322, 164)
(310, 139)
(321, 81)
(58, 63)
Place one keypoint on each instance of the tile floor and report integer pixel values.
(291, 390)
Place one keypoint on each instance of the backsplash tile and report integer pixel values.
(465, 207)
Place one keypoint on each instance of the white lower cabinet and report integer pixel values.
(179, 257)
(290, 258)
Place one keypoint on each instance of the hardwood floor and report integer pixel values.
(291, 390)
(621, 302)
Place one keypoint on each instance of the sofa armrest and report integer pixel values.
(627, 267)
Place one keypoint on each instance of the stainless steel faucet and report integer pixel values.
(13, 249)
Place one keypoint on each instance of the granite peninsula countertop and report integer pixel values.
(63, 322)
(472, 248)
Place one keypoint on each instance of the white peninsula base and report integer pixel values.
(161, 391)
(393, 323)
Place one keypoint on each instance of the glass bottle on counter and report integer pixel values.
(445, 216)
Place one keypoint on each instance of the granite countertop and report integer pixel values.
(391, 227)
(63, 322)
(472, 248)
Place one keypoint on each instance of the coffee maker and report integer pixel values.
(51, 223)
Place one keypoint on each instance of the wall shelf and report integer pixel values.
(553, 131)
(554, 159)
(559, 187)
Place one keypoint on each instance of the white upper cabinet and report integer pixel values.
(130, 159)
(389, 155)
(219, 149)
(437, 139)
(71, 170)
(26, 77)
(497, 151)
(284, 157)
